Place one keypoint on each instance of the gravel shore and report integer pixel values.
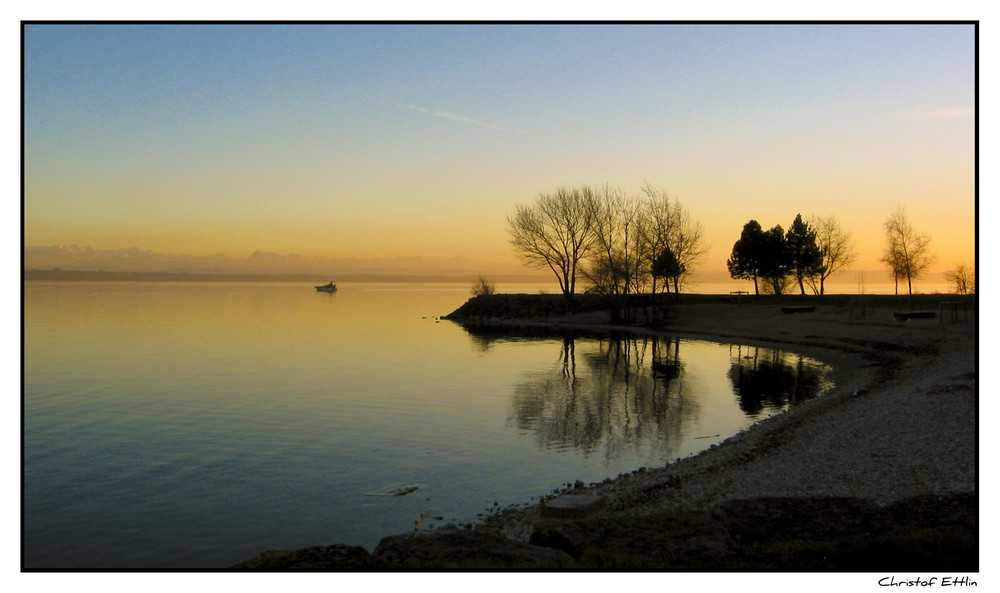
(900, 422)
(880, 472)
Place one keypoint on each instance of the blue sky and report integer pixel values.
(389, 140)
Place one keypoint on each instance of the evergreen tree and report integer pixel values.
(744, 262)
(775, 262)
(805, 259)
(666, 266)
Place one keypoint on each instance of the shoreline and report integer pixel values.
(899, 424)
(886, 375)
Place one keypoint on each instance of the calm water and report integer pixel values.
(191, 425)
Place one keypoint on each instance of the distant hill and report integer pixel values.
(106, 276)
(73, 258)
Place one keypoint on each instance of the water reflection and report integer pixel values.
(485, 337)
(621, 396)
(767, 379)
(604, 397)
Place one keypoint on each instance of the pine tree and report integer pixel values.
(667, 267)
(744, 262)
(805, 259)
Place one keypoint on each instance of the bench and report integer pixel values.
(908, 315)
(798, 309)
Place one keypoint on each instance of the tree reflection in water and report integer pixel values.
(622, 396)
(767, 379)
(627, 396)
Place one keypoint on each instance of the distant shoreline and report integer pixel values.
(67, 275)
(60, 275)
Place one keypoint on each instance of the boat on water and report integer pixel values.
(331, 287)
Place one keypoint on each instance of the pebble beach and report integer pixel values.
(890, 451)
(900, 421)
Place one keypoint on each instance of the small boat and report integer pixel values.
(331, 287)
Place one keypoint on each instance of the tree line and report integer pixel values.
(807, 254)
(627, 244)
(621, 244)
(810, 252)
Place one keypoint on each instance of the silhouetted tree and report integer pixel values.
(775, 262)
(688, 244)
(483, 286)
(668, 224)
(836, 246)
(963, 279)
(907, 253)
(619, 238)
(744, 262)
(667, 267)
(760, 255)
(804, 257)
(555, 232)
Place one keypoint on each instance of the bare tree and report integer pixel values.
(659, 220)
(483, 286)
(892, 258)
(962, 278)
(670, 226)
(619, 238)
(689, 245)
(837, 247)
(555, 232)
(907, 253)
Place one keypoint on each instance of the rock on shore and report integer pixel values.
(924, 533)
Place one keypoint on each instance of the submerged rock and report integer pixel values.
(572, 506)
(395, 490)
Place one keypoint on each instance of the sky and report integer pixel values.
(405, 140)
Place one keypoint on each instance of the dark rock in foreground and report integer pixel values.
(678, 540)
(454, 549)
(335, 557)
(446, 549)
(924, 533)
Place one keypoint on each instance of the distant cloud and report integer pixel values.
(465, 120)
(926, 114)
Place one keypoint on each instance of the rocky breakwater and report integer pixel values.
(505, 308)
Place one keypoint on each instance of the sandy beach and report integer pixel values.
(900, 423)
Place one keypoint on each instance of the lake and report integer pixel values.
(195, 425)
